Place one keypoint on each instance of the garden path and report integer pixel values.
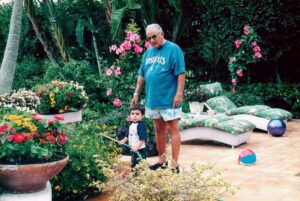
(275, 176)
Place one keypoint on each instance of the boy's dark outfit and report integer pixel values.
(137, 132)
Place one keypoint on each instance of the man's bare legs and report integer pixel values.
(161, 127)
(160, 136)
(173, 128)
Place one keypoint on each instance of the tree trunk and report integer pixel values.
(96, 49)
(30, 13)
(9, 62)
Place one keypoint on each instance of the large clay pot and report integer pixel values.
(29, 178)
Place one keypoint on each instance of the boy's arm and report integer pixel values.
(138, 145)
(121, 142)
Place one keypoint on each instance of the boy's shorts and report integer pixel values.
(165, 114)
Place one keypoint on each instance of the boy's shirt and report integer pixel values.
(137, 132)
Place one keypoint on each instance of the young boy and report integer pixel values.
(137, 135)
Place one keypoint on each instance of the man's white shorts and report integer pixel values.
(165, 114)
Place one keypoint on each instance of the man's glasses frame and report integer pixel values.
(153, 36)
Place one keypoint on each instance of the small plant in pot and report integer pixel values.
(65, 98)
(60, 97)
(31, 151)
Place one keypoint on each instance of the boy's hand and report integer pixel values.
(134, 149)
(121, 142)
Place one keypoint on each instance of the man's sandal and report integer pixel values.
(159, 165)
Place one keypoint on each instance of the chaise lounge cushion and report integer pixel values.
(250, 109)
(221, 104)
(219, 122)
(274, 113)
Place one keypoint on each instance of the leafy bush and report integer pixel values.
(59, 97)
(199, 183)
(83, 176)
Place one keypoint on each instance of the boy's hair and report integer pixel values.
(138, 107)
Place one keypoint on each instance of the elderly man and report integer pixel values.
(163, 72)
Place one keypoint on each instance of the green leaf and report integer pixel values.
(116, 19)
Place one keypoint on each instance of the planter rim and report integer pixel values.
(12, 166)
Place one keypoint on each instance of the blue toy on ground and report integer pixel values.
(276, 127)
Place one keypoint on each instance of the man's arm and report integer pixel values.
(178, 97)
(138, 89)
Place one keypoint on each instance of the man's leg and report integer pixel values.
(160, 136)
(173, 128)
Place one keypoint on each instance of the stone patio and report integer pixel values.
(275, 176)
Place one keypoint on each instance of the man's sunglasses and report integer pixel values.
(152, 37)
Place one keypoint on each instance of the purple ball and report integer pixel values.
(276, 127)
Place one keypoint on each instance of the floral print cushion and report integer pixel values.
(212, 90)
(220, 122)
(274, 113)
(221, 104)
(250, 109)
(210, 121)
(235, 127)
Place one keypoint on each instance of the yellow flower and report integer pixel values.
(57, 188)
(60, 111)
(52, 100)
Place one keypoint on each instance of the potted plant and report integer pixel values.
(65, 98)
(31, 151)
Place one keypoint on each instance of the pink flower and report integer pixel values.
(256, 49)
(112, 48)
(118, 71)
(239, 72)
(109, 72)
(9, 138)
(126, 45)
(257, 54)
(128, 119)
(231, 59)
(137, 48)
(246, 30)
(108, 92)
(3, 128)
(50, 122)
(147, 44)
(59, 117)
(121, 51)
(234, 82)
(37, 117)
(129, 33)
(238, 43)
(117, 102)
(253, 43)
(233, 90)
(135, 38)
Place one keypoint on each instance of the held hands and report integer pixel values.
(134, 100)
(135, 149)
(121, 142)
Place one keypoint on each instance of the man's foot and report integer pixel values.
(159, 165)
(175, 170)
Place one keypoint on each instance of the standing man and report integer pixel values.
(163, 72)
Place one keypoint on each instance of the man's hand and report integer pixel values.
(177, 100)
(134, 100)
(134, 149)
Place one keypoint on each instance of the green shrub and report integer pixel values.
(82, 177)
(202, 182)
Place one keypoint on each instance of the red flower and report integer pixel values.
(50, 122)
(19, 137)
(62, 139)
(3, 129)
(59, 117)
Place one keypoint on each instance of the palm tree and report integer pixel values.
(9, 62)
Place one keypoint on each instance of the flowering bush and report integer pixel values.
(27, 139)
(60, 97)
(247, 51)
(121, 76)
(23, 100)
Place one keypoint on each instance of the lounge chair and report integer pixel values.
(218, 128)
(259, 115)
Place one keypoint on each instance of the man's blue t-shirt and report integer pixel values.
(160, 69)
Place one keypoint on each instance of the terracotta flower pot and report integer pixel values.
(29, 178)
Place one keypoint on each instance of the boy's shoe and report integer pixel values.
(175, 170)
(159, 165)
